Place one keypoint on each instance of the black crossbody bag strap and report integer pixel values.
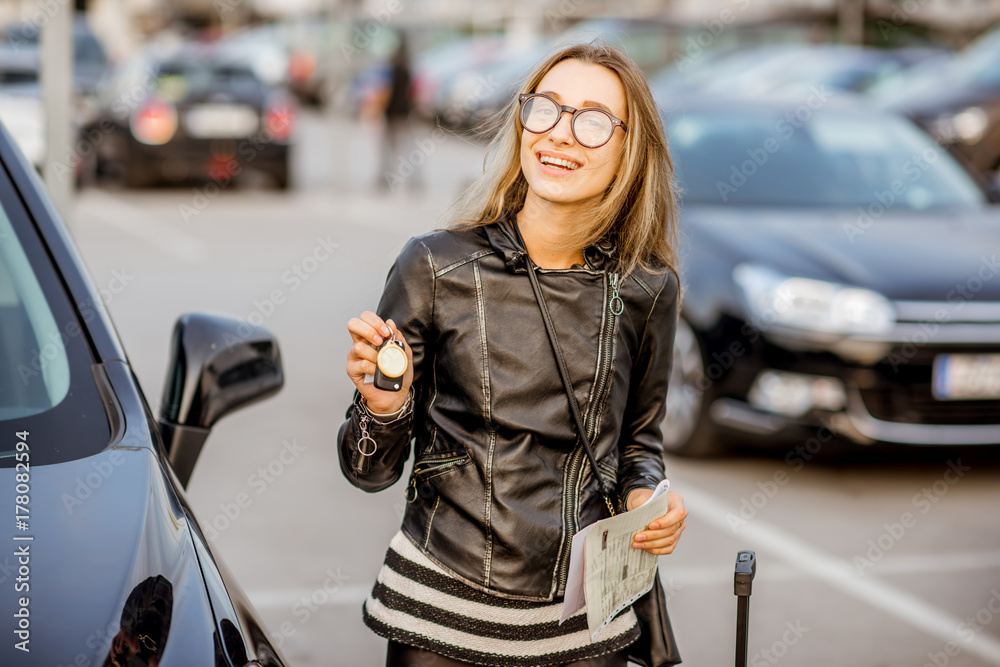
(574, 407)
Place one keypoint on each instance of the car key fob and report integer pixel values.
(391, 365)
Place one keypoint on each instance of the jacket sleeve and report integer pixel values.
(408, 300)
(640, 447)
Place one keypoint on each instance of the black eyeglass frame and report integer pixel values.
(615, 122)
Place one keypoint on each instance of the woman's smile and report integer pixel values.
(557, 164)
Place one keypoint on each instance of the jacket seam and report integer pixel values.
(430, 521)
(462, 262)
(646, 288)
(488, 417)
(434, 388)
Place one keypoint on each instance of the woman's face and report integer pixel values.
(579, 85)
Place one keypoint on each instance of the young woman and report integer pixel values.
(501, 481)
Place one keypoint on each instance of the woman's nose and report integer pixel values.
(563, 130)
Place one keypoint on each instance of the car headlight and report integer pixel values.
(813, 305)
(968, 125)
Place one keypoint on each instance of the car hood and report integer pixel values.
(922, 256)
(110, 545)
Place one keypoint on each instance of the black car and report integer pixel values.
(104, 562)
(956, 100)
(841, 279)
(190, 115)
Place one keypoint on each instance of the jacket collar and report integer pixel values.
(500, 234)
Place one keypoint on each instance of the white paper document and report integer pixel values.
(605, 573)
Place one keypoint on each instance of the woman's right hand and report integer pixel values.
(368, 332)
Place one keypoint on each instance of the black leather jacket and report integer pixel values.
(501, 481)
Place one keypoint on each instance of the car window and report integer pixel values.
(176, 82)
(46, 383)
(836, 159)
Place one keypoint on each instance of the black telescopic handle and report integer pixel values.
(746, 568)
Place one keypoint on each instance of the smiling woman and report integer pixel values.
(538, 331)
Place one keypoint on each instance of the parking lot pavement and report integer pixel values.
(894, 561)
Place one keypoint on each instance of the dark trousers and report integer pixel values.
(401, 655)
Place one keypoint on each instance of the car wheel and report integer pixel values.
(687, 430)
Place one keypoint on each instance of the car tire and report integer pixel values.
(687, 429)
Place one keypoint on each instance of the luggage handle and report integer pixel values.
(746, 569)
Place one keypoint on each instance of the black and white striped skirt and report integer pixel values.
(417, 603)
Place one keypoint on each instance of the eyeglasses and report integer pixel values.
(591, 128)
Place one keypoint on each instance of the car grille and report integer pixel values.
(903, 393)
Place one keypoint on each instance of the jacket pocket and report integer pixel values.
(428, 468)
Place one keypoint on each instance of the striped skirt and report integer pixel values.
(417, 603)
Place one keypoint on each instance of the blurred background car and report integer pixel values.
(786, 68)
(90, 61)
(21, 108)
(827, 252)
(956, 100)
(194, 114)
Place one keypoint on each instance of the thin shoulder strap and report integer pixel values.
(574, 407)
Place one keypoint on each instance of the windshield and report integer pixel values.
(837, 159)
(46, 384)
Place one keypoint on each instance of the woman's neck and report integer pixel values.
(544, 227)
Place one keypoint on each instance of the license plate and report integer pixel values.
(966, 376)
(221, 121)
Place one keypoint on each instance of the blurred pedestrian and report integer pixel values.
(564, 249)
(396, 123)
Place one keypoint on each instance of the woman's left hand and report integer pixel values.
(660, 536)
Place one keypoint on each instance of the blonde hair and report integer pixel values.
(639, 209)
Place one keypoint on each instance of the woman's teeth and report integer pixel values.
(558, 162)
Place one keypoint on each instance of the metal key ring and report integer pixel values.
(361, 445)
(617, 305)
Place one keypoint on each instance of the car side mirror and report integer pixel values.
(218, 365)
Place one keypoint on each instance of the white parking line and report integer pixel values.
(841, 574)
(140, 223)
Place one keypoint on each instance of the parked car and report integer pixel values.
(783, 69)
(21, 108)
(106, 563)
(191, 114)
(956, 100)
(841, 280)
(90, 62)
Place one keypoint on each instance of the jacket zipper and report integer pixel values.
(412, 492)
(571, 491)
